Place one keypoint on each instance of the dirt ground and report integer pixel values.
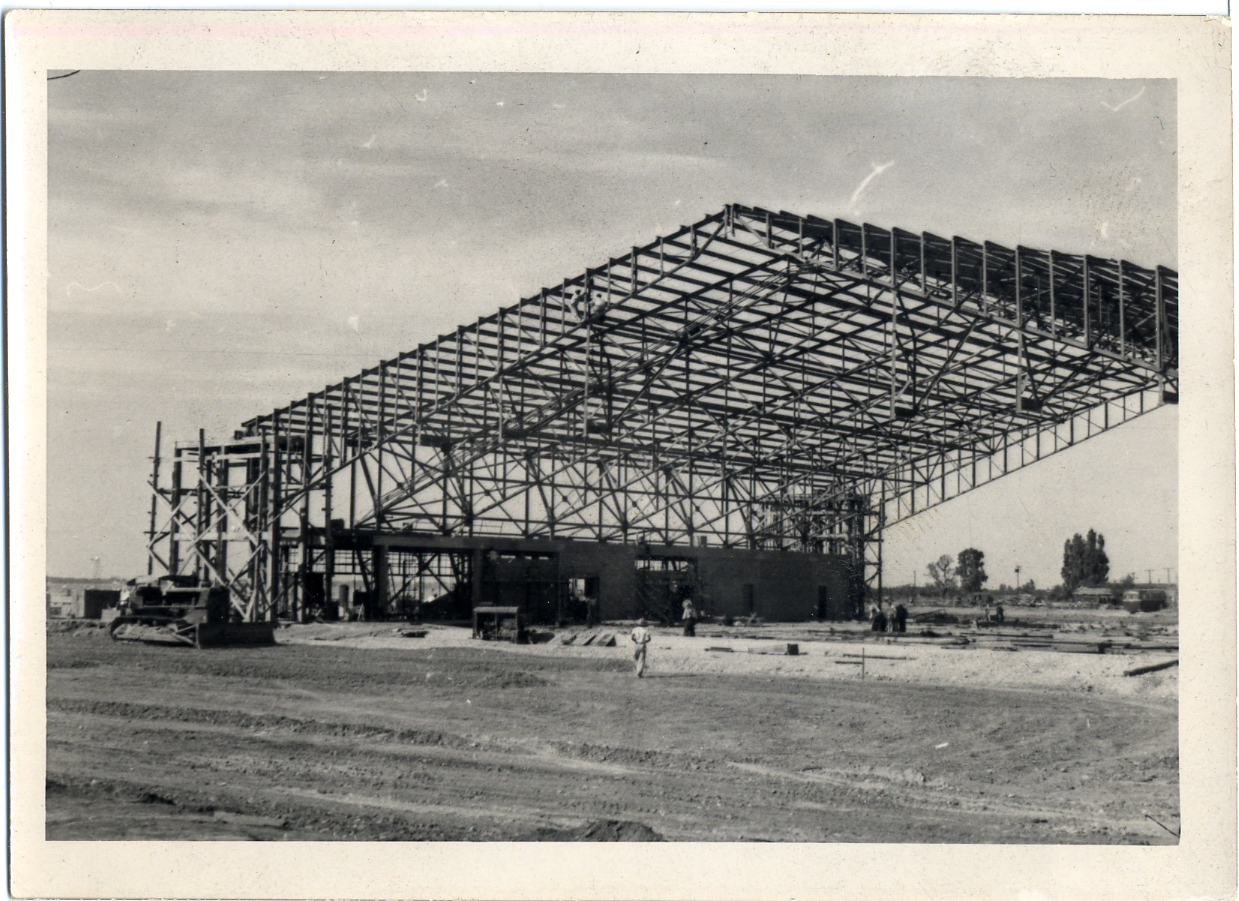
(1018, 734)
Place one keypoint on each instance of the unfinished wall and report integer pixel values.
(615, 568)
(775, 585)
(784, 586)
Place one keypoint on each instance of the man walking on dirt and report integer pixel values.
(640, 636)
(689, 618)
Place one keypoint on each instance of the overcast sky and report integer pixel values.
(220, 244)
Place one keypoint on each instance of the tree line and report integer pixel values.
(1085, 565)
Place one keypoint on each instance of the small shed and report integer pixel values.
(492, 623)
(1099, 595)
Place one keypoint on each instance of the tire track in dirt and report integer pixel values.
(256, 722)
(466, 744)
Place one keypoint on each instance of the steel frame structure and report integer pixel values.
(757, 380)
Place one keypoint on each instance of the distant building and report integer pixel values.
(1145, 600)
(1101, 595)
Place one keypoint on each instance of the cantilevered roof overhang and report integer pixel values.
(747, 365)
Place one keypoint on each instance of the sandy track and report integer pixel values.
(355, 732)
(824, 653)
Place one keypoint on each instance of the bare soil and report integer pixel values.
(356, 732)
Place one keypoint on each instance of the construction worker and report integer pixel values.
(640, 636)
(689, 617)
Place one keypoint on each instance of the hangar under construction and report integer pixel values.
(740, 408)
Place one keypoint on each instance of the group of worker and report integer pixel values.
(896, 622)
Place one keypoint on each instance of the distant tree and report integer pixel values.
(942, 572)
(1098, 562)
(1029, 586)
(1073, 562)
(971, 570)
(1128, 581)
(1085, 561)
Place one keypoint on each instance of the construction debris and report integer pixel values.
(593, 638)
(244, 819)
(1141, 670)
(875, 657)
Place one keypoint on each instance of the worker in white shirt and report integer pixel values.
(640, 636)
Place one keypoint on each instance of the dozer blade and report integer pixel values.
(161, 630)
(221, 634)
(157, 634)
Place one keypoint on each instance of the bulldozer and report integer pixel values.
(177, 610)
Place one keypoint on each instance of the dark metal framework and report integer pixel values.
(754, 380)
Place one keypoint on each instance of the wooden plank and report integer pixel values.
(1141, 670)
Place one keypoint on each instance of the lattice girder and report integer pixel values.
(745, 379)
